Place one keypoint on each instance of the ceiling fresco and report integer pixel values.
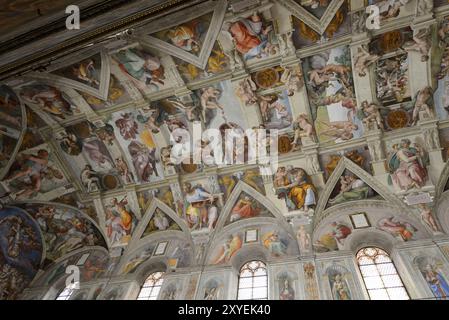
(85, 145)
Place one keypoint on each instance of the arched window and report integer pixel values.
(380, 275)
(65, 294)
(151, 287)
(253, 281)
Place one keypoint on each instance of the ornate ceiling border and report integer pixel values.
(319, 25)
(217, 7)
(126, 19)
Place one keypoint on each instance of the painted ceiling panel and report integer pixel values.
(361, 123)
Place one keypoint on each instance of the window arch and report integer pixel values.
(380, 275)
(253, 281)
(65, 294)
(151, 286)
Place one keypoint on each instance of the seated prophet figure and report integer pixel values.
(250, 36)
(201, 210)
(407, 165)
(302, 192)
(351, 189)
(141, 68)
(126, 215)
(187, 36)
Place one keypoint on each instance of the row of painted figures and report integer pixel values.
(407, 164)
(338, 279)
(66, 230)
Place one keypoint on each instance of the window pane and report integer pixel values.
(373, 283)
(246, 273)
(253, 281)
(260, 281)
(145, 292)
(369, 271)
(380, 275)
(381, 258)
(259, 293)
(370, 252)
(246, 282)
(260, 272)
(155, 291)
(254, 265)
(386, 268)
(379, 294)
(158, 282)
(245, 293)
(392, 281)
(398, 293)
(151, 287)
(365, 260)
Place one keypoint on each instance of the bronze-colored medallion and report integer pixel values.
(110, 182)
(284, 144)
(397, 119)
(82, 130)
(189, 167)
(391, 41)
(266, 78)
